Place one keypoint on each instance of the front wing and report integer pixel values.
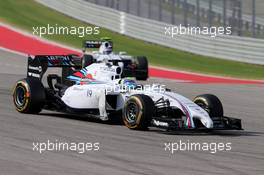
(224, 123)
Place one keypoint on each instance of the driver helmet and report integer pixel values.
(106, 47)
(128, 83)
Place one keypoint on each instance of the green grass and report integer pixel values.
(27, 13)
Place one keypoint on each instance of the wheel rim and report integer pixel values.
(132, 111)
(204, 106)
(20, 96)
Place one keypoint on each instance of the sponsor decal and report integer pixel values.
(33, 75)
(109, 69)
(39, 68)
(57, 60)
(159, 123)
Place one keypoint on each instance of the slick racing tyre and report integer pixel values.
(87, 60)
(211, 104)
(29, 96)
(142, 67)
(138, 112)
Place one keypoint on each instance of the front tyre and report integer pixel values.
(211, 104)
(138, 112)
(29, 96)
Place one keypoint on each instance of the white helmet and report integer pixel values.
(106, 47)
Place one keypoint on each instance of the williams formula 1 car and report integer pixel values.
(131, 66)
(102, 93)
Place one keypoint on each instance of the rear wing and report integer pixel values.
(94, 44)
(38, 65)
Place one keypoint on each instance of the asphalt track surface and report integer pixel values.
(123, 151)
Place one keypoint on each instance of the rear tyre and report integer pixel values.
(138, 112)
(142, 66)
(29, 96)
(211, 104)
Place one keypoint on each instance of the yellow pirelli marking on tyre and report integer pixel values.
(138, 102)
(201, 99)
(24, 86)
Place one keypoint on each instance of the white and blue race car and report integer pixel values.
(99, 91)
(132, 66)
